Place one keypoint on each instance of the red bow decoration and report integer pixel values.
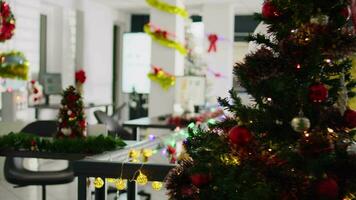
(80, 76)
(213, 38)
(353, 13)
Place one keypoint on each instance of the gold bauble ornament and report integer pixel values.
(229, 159)
(120, 184)
(300, 124)
(110, 180)
(98, 182)
(141, 179)
(156, 185)
(133, 154)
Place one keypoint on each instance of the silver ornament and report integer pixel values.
(300, 124)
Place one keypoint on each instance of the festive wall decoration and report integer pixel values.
(213, 39)
(13, 65)
(7, 27)
(161, 37)
(164, 79)
(35, 92)
(165, 7)
(80, 78)
(71, 117)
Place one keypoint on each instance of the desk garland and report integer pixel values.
(88, 145)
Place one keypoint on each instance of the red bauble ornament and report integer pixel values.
(171, 150)
(240, 135)
(269, 11)
(318, 93)
(80, 76)
(328, 189)
(82, 124)
(350, 118)
(200, 179)
(345, 12)
(35, 91)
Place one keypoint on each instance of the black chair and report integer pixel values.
(18, 175)
(113, 126)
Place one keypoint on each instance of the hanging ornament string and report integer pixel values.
(165, 7)
(162, 38)
(7, 28)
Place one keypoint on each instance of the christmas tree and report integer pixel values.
(71, 117)
(297, 142)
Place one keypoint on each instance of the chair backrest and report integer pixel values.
(41, 128)
(117, 112)
(112, 125)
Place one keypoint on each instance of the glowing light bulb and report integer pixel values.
(141, 179)
(110, 180)
(156, 185)
(120, 184)
(98, 182)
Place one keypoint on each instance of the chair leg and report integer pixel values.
(43, 192)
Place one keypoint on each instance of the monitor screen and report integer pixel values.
(52, 84)
(136, 62)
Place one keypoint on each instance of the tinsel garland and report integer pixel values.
(13, 65)
(88, 145)
(160, 5)
(164, 79)
(164, 41)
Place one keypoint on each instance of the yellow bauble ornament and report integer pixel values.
(141, 179)
(98, 182)
(110, 180)
(156, 185)
(120, 184)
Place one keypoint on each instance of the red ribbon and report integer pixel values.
(213, 38)
(353, 12)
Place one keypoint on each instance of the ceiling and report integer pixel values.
(242, 7)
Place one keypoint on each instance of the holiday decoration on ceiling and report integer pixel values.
(297, 141)
(164, 79)
(71, 117)
(7, 20)
(13, 65)
(165, 7)
(163, 38)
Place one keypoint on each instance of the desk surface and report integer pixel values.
(57, 106)
(115, 154)
(150, 122)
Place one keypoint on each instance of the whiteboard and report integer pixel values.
(136, 62)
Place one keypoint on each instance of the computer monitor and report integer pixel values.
(52, 84)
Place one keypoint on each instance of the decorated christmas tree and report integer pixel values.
(297, 142)
(71, 117)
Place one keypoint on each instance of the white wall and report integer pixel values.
(94, 44)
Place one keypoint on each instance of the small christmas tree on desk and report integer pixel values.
(71, 117)
(298, 141)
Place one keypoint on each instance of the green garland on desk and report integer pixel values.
(88, 145)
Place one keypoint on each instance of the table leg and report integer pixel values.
(37, 113)
(107, 109)
(131, 190)
(100, 193)
(136, 133)
(82, 188)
